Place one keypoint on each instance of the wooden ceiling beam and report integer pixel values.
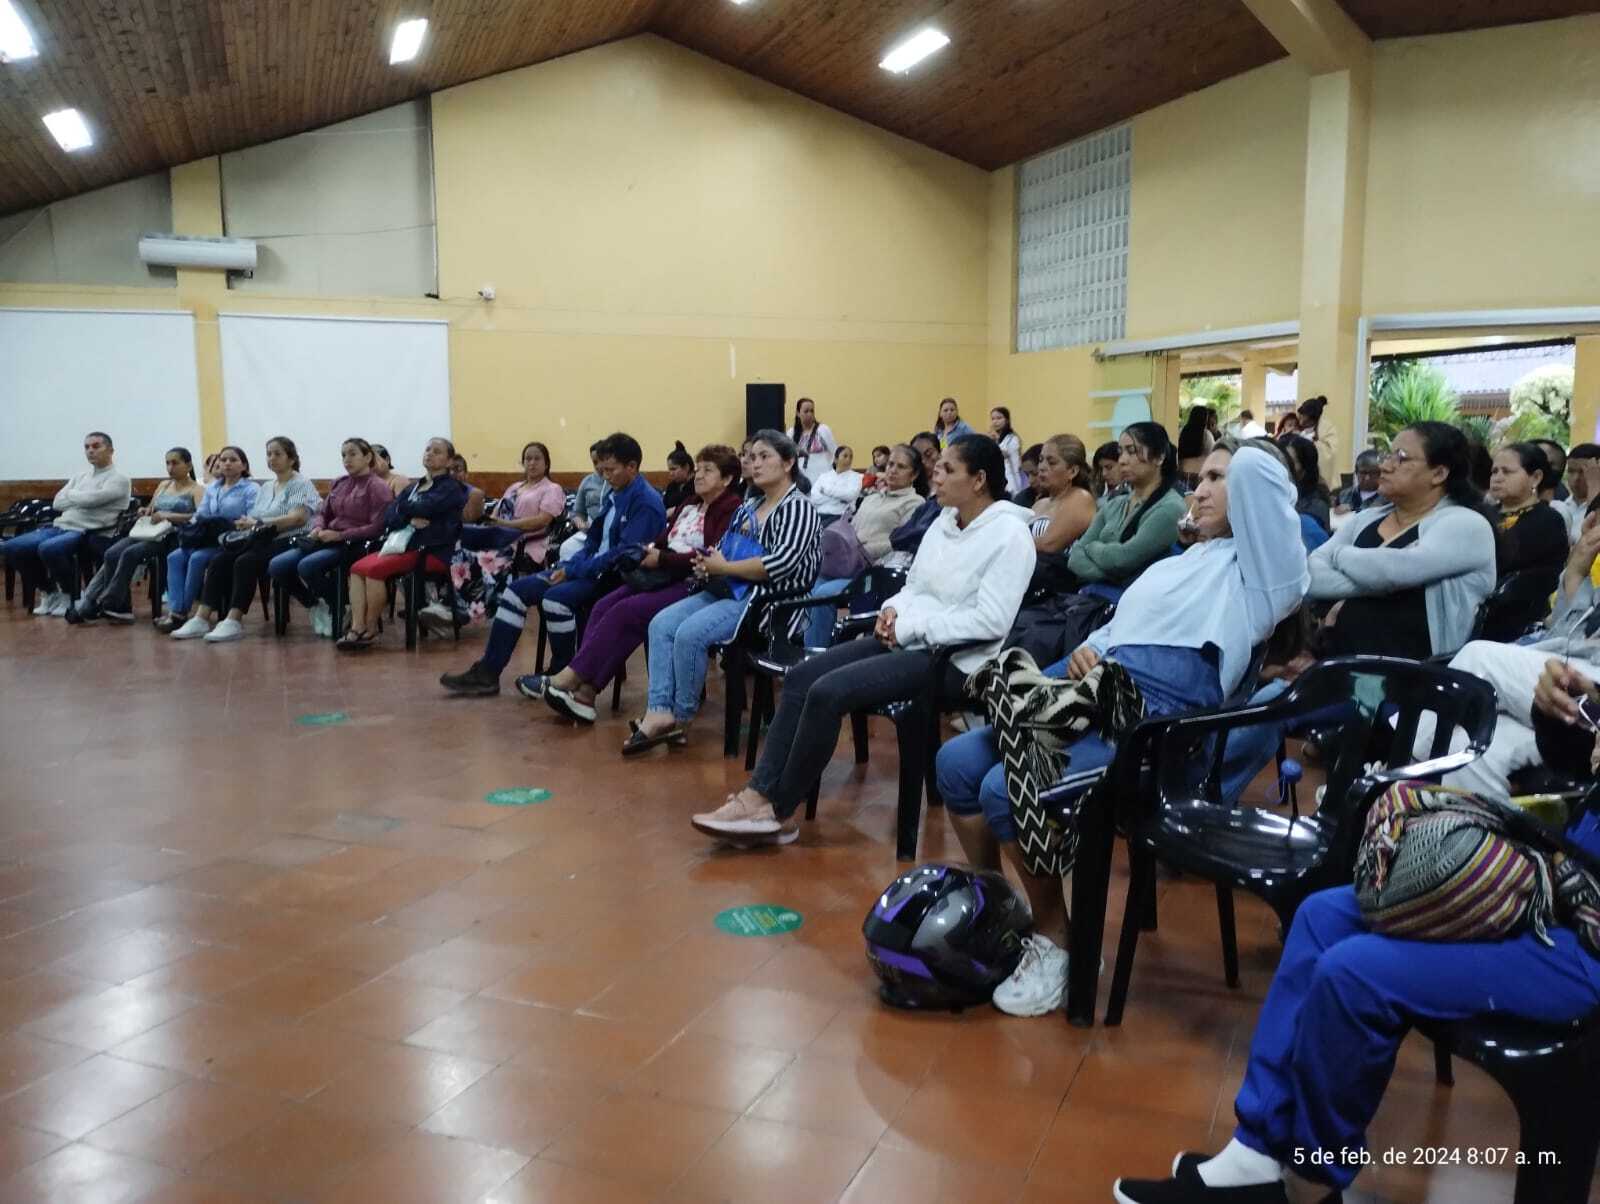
(1318, 34)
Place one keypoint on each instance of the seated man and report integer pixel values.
(633, 515)
(1344, 998)
(1364, 492)
(91, 501)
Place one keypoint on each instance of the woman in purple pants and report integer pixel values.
(619, 621)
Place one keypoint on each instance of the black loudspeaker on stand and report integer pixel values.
(764, 408)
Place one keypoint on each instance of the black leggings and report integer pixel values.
(816, 696)
(232, 578)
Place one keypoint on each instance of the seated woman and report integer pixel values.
(873, 525)
(281, 512)
(1532, 533)
(965, 585)
(1314, 498)
(352, 515)
(680, 478)
(431, 508)
(1065, 507)
(483, 565)
(1184, 632)
(873, 477)
(1106, 471)
(1028, 466)
(110, 592)
(1343, 999)
(834, 493)
(385, 468)
(620, 620)
(226, 500)
(784, 524)
(1196, 439)
(1134, 530)
(476, 500)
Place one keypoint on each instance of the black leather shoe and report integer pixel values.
(476, 681)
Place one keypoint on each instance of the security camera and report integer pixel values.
(487, 292)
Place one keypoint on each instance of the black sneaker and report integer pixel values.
(476, 681)
(1189, 1188)
(77, 617)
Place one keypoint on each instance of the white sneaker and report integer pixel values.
(47, 600)
(322, 619)
(738, 818)
(59, 608)
(194, 629)
(1038, 984)
(228, 629)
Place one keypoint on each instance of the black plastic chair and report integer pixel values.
(1164, 787)
(1549, 1071)
(1519, 602)
(414, 585)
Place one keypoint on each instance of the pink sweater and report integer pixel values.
(355, 507)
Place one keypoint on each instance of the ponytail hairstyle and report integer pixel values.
(919, 470)
(1445, 447)
(679, 456)
(1192, 438)
(797, 432)
(1157, 445)
(1310, 411)
(979, 453)
(185, 455)
(288, 448)
(1075, 455)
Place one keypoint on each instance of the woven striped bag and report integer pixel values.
(1438, 864)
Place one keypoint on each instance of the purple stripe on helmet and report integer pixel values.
(901, 962)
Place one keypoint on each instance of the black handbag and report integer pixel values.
(239, 539)
(647, 581)
(202, 532)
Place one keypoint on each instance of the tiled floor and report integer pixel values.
(247, 959)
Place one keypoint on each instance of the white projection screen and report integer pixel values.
(64, 373)
(321, 380)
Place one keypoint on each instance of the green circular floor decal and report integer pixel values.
(520, 796)
(762, 919)
(323, 719)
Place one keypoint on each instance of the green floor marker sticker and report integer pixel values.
(761, 919)
(323, 719)
(520, 796)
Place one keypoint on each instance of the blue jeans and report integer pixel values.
(970, 774)
(1342, 1000)
(680, 640)
(55, 548)
(820, 619)
(309, 576)
(186, 573)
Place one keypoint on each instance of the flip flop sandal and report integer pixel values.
(637, 742)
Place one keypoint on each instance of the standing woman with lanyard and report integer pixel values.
(950, 426)
(813, 440)
(1010, 447)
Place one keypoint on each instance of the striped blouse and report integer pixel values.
(792, 536)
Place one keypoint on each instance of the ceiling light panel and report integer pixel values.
(913, 50)
(15, 40)
(68, 128)
(407, 40)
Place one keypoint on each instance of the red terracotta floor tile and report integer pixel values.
(850, 1099)
(771, 1162)
(712, 1073)
(293, 991)
(542, 1182)
(650, 1142)
(594, 1049)
(25, 1060)
(386, 1009)
(516, 1110)
(23, 1147)
(196, 1040)
(299, 1152)
(396, 1084)
(423, 1168)
(210, 972)
(914, 1177)
(81, 1098)
(462, 964)
(559, 980)
(775, 1019)
(129, 956)
(181, 1127)
(1000, 1127)
(81, 1173)
(292, 1062)
(113, 1016)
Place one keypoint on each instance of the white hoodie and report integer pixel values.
(966, 584)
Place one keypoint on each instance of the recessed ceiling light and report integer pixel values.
(69, 129)
(913, 50)
(15, 40)
(408, 37)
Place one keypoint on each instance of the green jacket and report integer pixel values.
(1099, 553)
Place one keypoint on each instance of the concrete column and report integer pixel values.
(197, 209)
(1586, 390)
(1253, 389)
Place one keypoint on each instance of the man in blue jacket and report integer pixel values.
(633, 516)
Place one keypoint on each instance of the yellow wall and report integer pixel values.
(661, 230)
(1484, 179)
(1218, 198)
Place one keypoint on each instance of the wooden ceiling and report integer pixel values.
(162, 82)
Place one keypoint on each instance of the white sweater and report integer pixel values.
(94, 499)
(833, 493)
(966, 583)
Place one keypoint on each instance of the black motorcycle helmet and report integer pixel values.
(945, 936)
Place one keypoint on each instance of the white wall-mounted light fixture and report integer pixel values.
(15, 40)
(68, 128)
(913, 50)
(407, 40)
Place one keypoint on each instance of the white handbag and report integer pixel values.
(397, 541)
(150, 528)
